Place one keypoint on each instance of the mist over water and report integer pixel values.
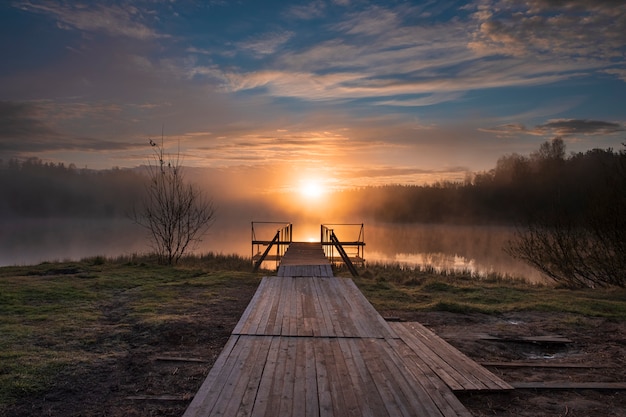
(477, 249)
(31, 241)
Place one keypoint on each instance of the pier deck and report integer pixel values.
(310, 344)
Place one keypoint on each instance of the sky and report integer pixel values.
(335, 92)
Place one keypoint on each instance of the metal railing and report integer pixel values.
(280, 241)
(350, 252)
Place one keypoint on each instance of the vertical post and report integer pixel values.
(362, 247)
(280, 232)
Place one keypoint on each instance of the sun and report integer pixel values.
(311, 189)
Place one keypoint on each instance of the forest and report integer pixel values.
(33, 188)
(517, 189)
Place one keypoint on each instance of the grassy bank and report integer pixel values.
(58, 317)
(396, 288)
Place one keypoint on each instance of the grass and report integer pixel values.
(59, 315)
(395, 288)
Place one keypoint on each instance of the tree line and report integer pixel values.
(516, 189)
(34, 188)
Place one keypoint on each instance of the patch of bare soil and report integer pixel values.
(139, 382)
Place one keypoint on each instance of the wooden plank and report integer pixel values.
(293, 310)
(449, 374)
(334, 381)
(179, 359)
(308, 310)
(249, 323)
(244, 320)
(311, 398)
(299, 315)
(254, 309)
(342, 310)
(436, 388)
(275, 327)
(222, 384)
(299, 385)
(323, 385)
(267, 324)
(386, 389)
(558, 385)
(235, 398)
(288, 299)
(288, 378)
(351, 400)
(265, 312)
(157, 398)
(457, 358)
(547, 339)
(415, 398)
(374, 323)
(203, 398)
(321, 311)
(361, 313)
(234, 376)
(262, 401)
(455, 368)
(372, 403)
(317, 318)
(546, 365)
(255, 370)
(330, 309)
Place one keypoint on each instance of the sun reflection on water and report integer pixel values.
(438, 261)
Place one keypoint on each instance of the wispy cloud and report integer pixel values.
(21, 121)
(572, 29)
(569, 127)
(427, 100)
(314, 9)
(24, 131)
(560, 127)
(266, 44)
(384, 51)
(116, 20)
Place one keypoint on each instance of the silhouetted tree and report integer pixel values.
(175, 213)
(579, 240)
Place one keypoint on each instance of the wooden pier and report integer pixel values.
(310, 344)
(268, 249)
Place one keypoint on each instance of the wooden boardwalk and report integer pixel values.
(310, 344)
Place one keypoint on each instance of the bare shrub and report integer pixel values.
(175, 213)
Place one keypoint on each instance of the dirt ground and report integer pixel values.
(148, 381)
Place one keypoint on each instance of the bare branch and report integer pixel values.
(175, 213)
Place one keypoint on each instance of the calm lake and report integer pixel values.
(444, 247)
